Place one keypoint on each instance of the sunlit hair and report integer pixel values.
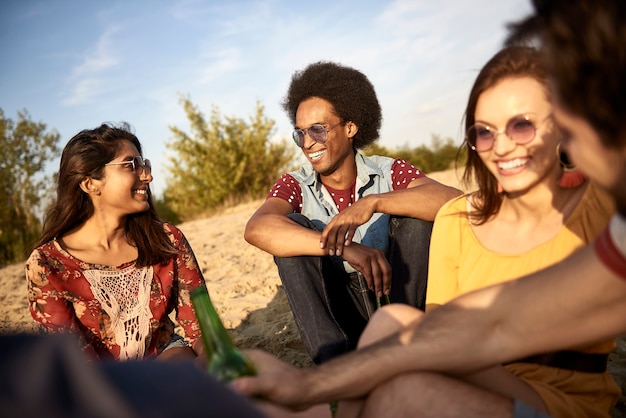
(585, 54)
(85, 156)
(348, 90)
(510, 62)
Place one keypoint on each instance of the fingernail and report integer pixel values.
(379, 294)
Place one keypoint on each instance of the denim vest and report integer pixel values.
(373, 177)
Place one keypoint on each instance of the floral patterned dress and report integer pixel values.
(119, 312)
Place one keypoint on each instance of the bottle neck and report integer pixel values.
(214, 335)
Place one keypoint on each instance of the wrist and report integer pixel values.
(372, 201)
(319, 388)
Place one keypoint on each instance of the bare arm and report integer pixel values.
(575, 302)
(422, 199)
(272, 231)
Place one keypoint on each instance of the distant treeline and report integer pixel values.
(440, 155)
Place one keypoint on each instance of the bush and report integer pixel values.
(222, 162)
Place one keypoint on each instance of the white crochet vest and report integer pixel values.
(125, 296)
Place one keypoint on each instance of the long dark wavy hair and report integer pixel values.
(510, 62)
(348, 90)
(85, 156)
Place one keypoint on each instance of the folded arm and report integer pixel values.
(422, 199)
(271, 230)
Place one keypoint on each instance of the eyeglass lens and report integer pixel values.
(141, 164)
(316, 132)
(519, 129)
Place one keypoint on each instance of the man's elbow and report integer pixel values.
(447, 193)
(250, 233)
(453, 192)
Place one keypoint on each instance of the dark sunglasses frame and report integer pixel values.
(314, 131)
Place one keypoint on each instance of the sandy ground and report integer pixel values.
(244, 286)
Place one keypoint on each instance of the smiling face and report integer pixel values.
(336, 153)
(519, 167)
(122, 190)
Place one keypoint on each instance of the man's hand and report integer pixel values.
(276, 381)
(372, 264)
(340, 230)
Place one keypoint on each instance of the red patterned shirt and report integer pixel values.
(288, 188)
(119, 312)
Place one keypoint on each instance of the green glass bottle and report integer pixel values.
(225, 361)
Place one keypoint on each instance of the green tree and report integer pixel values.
(222, 161)
(25, 147)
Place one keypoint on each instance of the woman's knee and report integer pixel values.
(388, 320)
(399, 396)
(427, 394)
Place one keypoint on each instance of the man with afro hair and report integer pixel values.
(346, 231)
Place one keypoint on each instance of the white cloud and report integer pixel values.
(218, 65)
(82, 91)
(86, 79)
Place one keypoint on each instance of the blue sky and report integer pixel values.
(76, 64)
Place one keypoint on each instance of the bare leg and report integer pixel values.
(384, 322)
(434, 395)
(495, 383)
(487, 393)
(388, 320)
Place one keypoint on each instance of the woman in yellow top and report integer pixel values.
(527, 214)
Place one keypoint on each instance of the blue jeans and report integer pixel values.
(330, 306)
